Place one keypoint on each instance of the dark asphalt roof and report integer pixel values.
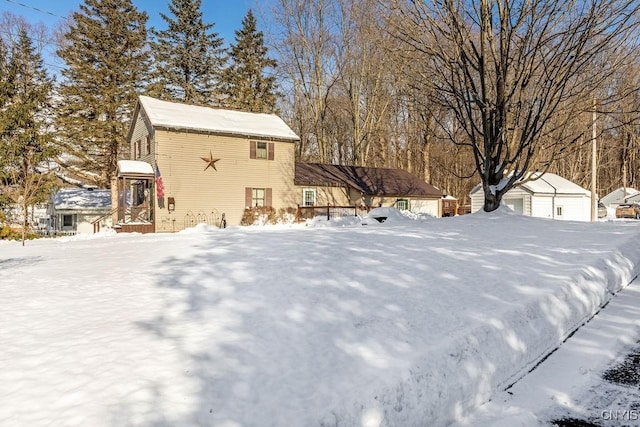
(369, 181)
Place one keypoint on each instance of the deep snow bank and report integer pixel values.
(500, 348)
(463, 370)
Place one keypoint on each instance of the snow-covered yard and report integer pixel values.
(408, 322)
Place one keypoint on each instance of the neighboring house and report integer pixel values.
(547, 196)
(336, 185)
(620, 195)
(75, 210)
(36, 216)
(210, 163)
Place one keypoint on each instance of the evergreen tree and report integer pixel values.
(4, 73)
(6, 82)
(244, 83)
(188, 57)
(106, 53)
(26, 141)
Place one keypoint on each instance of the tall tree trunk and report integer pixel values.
(491, 201)
(426, 158)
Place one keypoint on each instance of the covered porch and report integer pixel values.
(132, 197)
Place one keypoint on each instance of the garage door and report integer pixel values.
(516, 205)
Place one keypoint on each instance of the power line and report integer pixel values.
(17, 3)
(26, 6)
(44, 43)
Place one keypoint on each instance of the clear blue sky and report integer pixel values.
(225, 14)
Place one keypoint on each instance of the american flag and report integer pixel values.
(159, 188)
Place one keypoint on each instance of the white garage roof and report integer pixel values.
(553, 184)
(548, 183)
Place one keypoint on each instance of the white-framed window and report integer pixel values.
(402, 204)
(559, 211)
(257, 197)
(309, 197)
(261, 150)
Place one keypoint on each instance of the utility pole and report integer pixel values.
(594, 153)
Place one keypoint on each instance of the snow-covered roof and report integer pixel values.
(547, 183)
(619, 195)
(134, 167)
(82, 198)
(174, 115)
(554, 184)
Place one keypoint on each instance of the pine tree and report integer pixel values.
(188, 57)
(26, 141)
(106, 53)
(6, 82)
(245, 84)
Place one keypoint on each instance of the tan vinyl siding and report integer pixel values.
(334, 196)
(140, 133)
(204, 193)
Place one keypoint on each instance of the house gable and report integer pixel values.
(621, 195)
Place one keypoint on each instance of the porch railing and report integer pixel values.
(330, 212)
(128, 215)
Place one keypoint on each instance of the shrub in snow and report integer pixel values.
(263, 215)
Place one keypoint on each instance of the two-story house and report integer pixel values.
(193, 164)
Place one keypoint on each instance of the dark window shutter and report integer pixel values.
(267, 197)
(248, 197)
(252, 149)
(271, 151)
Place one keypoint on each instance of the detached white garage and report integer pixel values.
(547, 196)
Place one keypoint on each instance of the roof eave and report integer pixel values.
(170, 128)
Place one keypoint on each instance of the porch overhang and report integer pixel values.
(132, 196)
(134, 169)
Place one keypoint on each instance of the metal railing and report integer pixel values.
(330, 212)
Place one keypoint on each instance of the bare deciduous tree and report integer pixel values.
(365, 78)
(511, 71)
(307, 56)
